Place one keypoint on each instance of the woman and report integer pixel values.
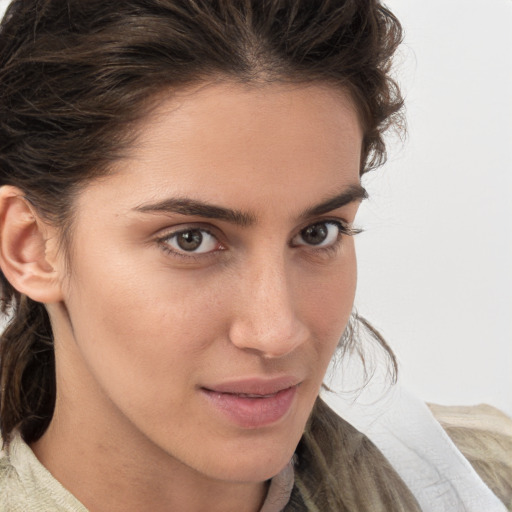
(179, 185)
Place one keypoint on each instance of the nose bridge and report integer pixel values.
(267, 318)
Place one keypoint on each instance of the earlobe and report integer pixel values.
(24, 258)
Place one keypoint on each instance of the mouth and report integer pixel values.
(252, 403)
(249, 395)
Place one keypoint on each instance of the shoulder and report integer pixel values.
(27, 486)
(483, 434)
(336, 458)
(11, 488)
(418, 447)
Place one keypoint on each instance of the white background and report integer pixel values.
(435, 272)
(435, 263)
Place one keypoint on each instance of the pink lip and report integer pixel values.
(253, 403)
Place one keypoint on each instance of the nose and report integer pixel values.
(266, 318)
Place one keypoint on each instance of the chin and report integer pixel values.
(257, 469)
(253, 460)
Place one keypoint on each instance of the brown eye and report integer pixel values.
(196, 241)
(315, 234)
(320, 234)
(189, 240)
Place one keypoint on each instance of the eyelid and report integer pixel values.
(345, 228)
(164, 237)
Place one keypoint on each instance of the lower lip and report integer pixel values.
(252, 412)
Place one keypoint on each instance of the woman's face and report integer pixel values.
(212, 277)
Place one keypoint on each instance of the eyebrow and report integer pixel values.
(348, 195)
(192, 207)
(184, 206)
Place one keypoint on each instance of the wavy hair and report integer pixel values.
(76, 77)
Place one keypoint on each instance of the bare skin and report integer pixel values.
(168, 300)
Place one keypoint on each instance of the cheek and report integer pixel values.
(328, 297)
(140, 330)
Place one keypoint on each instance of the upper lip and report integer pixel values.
(255, 385)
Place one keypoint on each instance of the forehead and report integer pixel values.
(239, 144)
(274, 113)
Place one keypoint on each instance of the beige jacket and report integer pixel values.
(484, 436)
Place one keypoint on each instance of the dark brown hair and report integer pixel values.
(76, 76)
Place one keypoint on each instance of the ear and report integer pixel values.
(28, 248)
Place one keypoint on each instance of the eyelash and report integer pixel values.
(164, 244)
(344, 229)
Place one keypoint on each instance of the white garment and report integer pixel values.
(408, 435)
